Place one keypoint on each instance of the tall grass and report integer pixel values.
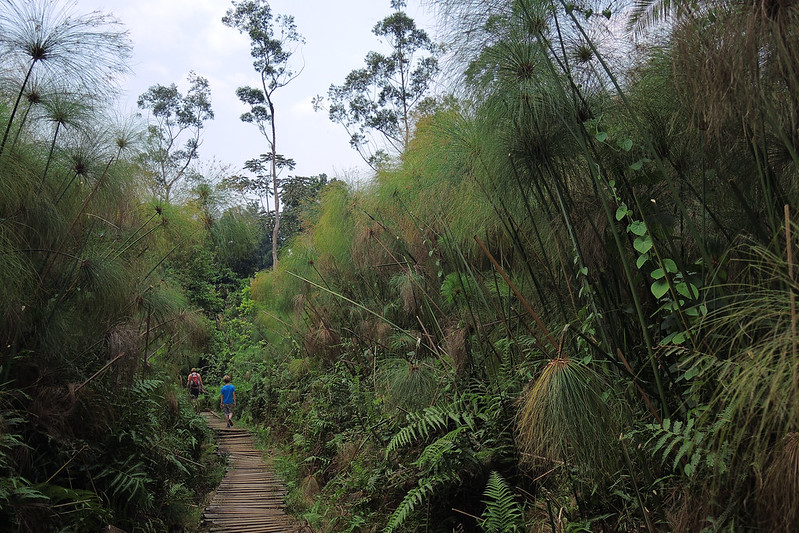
(89, 305)
(631, 196)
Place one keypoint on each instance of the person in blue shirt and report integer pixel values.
(227, 400)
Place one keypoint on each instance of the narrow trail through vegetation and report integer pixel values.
(250, 498)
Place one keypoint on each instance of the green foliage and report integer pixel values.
(175, 136)
(417, 496)
(684, 447)
(409, 385)
(300, 202)
(87, 51)
(127, 484)
(89, 305)
(637, 205)
(429, 421)
(400, 80)
(461, 440)
(635, 271)
(503, 514)
(564, 417)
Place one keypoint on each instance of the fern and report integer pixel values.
(680, 442)
(434, 453)
(442, 460)
(425, 488)
(461, 438)
(502, 514)
(430, 420)
(146, 387)
(128, 483)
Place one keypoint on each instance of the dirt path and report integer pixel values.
(250, 498)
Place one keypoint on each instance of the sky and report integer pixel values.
(173, 37)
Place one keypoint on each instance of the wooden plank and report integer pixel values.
(250, 498)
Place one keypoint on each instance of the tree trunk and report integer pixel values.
(276, 229)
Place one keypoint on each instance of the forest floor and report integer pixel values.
(250, 497)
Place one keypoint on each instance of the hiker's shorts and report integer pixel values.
(227, 408)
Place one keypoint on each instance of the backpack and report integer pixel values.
(194, 380)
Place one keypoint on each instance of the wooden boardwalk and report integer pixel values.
(249, 499)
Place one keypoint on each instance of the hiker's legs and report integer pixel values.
(195, 394)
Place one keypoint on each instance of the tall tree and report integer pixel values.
(273, 40)
(380, 97)
(176, 117)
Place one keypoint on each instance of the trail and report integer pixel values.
(250, 498)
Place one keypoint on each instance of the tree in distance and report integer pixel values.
(379, 99)
(273, 41)
(175, 117)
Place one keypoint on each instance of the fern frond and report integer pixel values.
(681, 440)
(502, 514)
(146, 386)
(435, 452)
(128, 483)
(428, 421)
(415, 497)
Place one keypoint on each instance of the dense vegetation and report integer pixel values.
(103, 291)
(570, 304)
(567, 305)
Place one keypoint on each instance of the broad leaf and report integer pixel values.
(642, 244)
(660, 288)
(637, 228)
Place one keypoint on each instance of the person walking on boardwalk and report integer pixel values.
(195, 385)
(227, 400)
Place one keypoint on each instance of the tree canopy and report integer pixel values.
(273, 41)
(177, 119)
(380, 98)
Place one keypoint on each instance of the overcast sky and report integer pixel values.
(173, 37)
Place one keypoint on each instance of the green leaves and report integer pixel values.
(659, 288)
(380, 98)
(622, 143)
(430, 420)
(669, 266)
(666, 277)
(502, 514)
(175, 132)
(642, 244)
(682, 444)
(623, 211)
(637, 228)
(688, 290)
